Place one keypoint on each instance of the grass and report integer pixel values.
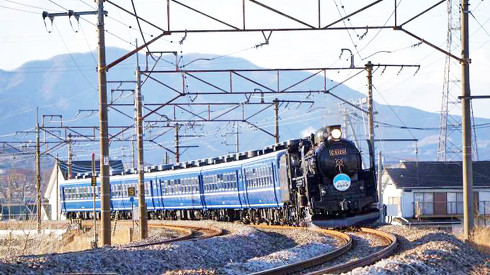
(26, 242)
(81, 240)
(480, 238)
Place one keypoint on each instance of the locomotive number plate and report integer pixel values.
(337, 152)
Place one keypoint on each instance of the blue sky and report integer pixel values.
(25, 38)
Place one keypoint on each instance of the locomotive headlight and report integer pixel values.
(336, 133)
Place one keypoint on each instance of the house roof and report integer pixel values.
(81, 167)
(434, 174)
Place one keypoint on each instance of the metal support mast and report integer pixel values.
(380, 188)
(466, 124)
(177, 146)
(105, 196)
(237, 133)
(143, 216)
(448, 150)
(38, 179)
(369, 68)
(70, 155)
(276, 121)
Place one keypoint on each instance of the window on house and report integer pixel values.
(424, 203)
(455, 202)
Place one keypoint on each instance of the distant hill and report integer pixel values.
(66, 84)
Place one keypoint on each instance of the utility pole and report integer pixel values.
(369, 68)
(468, 220)
(177, 147)
(105, 196)
(380, 188)
(38, 177)
(143, 216)
(70, 155)
(57, 188)
(276, 121)
(94, 188)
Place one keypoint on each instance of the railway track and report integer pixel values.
(303, 266)
(389, 238)
(189, 233)
(318, 260)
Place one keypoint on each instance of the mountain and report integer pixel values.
(67, 85)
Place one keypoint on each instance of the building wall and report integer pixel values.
(390, 191)
(52, 194)
(407, 204)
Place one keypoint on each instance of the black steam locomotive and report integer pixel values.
(330, 185)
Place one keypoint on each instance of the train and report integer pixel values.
(317, 179)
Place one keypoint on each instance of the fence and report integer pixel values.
(448, 209)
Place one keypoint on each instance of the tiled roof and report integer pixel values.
(81, 167)
(434, 174)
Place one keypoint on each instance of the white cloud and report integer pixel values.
(429, 140)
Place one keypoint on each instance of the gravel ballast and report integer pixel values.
(429, 252)
(245, 250)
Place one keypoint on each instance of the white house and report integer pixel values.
(433, 189)
(52, 209)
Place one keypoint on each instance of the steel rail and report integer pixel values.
(315, 261)
(368, 260)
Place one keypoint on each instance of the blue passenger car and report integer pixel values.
(235, 185)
